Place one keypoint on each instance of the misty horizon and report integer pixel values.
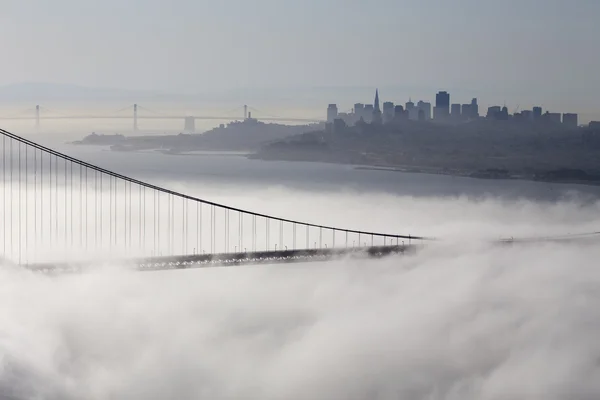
(296, 101)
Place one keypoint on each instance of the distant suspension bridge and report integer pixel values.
(137, 112)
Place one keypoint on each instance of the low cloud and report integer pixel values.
(458, 320)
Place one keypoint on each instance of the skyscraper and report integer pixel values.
(570, 120)
(474, 109)
(554, 118)
(388, 111)
(359, 111)
(442, 105)
(411, 112)
(332, 112)
(442, 99)
(455, 111)
(376, 110)
(527, 115)
(537, 113)
(466, 111)
(426, 108)
(493, 111)
(368, 113)
(398, 112)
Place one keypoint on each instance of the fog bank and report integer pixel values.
(448, 323)
(459, 320)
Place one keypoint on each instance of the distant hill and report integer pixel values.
(248, 135)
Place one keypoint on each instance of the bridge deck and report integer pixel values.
(230, 259)
(275, 257)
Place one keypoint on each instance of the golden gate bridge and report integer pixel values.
(62, 214)
(57, 209)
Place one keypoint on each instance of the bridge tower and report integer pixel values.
(37, 117)
(189, 124)
(135, 124)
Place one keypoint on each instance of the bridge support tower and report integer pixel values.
(135, 122)
(37, 117)
(189, 124)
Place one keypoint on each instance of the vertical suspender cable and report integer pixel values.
(20, 206)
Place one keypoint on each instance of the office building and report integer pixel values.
(537, 113)
(455, 112)
(347, 118)
(332, 112)
(339, 125)
(518, 117)
(368, 113)
(465, 111)
(359, 111)
(442, 100)
(595, 125)
(398, 112)
(527, 115)
(570, 120)
(442, 105)
(474, 109)
(493, 111)
(554, 118)
(388, 111)
(470, 111)
(410, 110)
(426, 108)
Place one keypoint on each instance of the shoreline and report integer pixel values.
(470, 175)
(436, 171)
(477, 174)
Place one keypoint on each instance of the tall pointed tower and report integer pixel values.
(376, 110)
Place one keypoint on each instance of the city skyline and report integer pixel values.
(444, 110)
(524, 50)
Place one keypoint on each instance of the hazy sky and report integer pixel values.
(504, 49)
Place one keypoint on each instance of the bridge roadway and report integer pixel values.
(229, 259)
(163, 117)
(161, 263)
